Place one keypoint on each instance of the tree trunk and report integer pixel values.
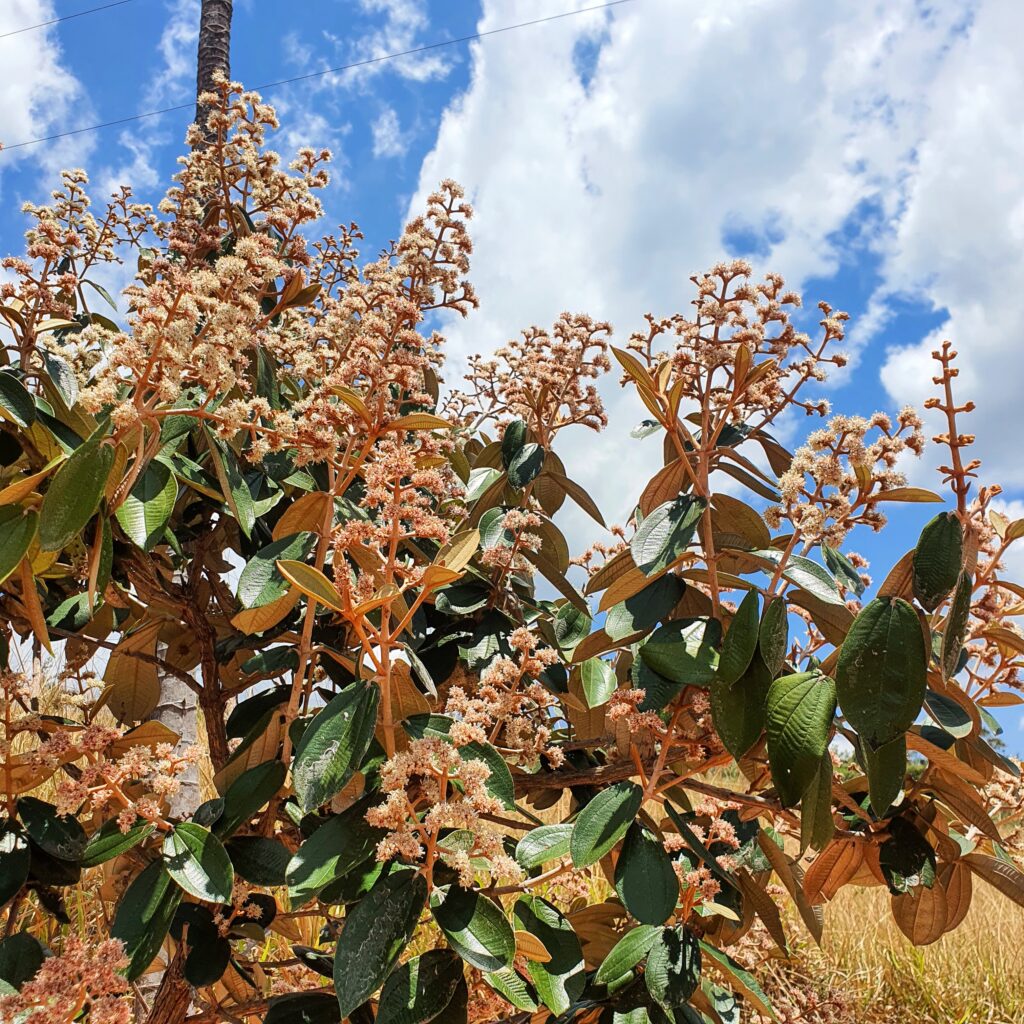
(214, 48)
(179, 706)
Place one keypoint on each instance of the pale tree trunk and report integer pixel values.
(169, 995)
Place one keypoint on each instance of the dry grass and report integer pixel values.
(867, 972)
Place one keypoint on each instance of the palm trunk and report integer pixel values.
(214, 48)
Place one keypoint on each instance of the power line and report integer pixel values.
(326, 71)
(67, 17)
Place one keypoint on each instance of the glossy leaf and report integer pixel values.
(684, 651)
(333, 745)
(260, 583)
(197, 861)
(17, 531)
(666, 533)
(146, 511)
(598, 680)
(421, 989)
(144, 916)
(60, 836)
(603, 822)
(559, 981)
(543, 844)
(475, 927)
(629, 951)
(15, 860)
(74, 494)
(376, 931)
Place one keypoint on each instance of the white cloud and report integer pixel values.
(388, 137)
(958, 242)
(398, 31)
(602, 182)
(39, 96)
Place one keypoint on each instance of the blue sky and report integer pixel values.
(871, 152)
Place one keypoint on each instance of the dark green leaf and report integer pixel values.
(955, 630)
(886, 769)
(109, 842)
(197, 861)
(475, 927)
(259, 860)
(147, 510)
(15, 401)
(421, 989)
(684, 651)
(881, 673)
(333, 745)
(260, 582)
(74, 494)
(644, 877)
(800, 712)
(843, 569)
(17, 531)
(303, 1008)
(950, 715)
(526, 466)
(561, 980)
(208, 951)
(673, 968)
(342, 843)
(232, 483)
(627, 953)
(547, 842)
(143, 917)
(641, 611)
(248, 793)
(740, 641)
(569, 623)
(816, 824)
(907, 858)
(666, 533)
(938, 559)
(376, 931)
(598, 680)
(807, 575)
(739, 711)
(61, 837)
(603, 822)
(15, 860)
(773, 638)
(512, 441)
(508, 983)
(21, 955)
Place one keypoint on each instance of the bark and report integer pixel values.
(172, 999)
(214, 48)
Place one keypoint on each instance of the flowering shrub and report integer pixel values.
(431, 792)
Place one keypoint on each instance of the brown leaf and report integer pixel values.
(1004, 876)
(921, 914)
(832, 869)
(956, 879)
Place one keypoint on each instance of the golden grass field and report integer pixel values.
(866, 972)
